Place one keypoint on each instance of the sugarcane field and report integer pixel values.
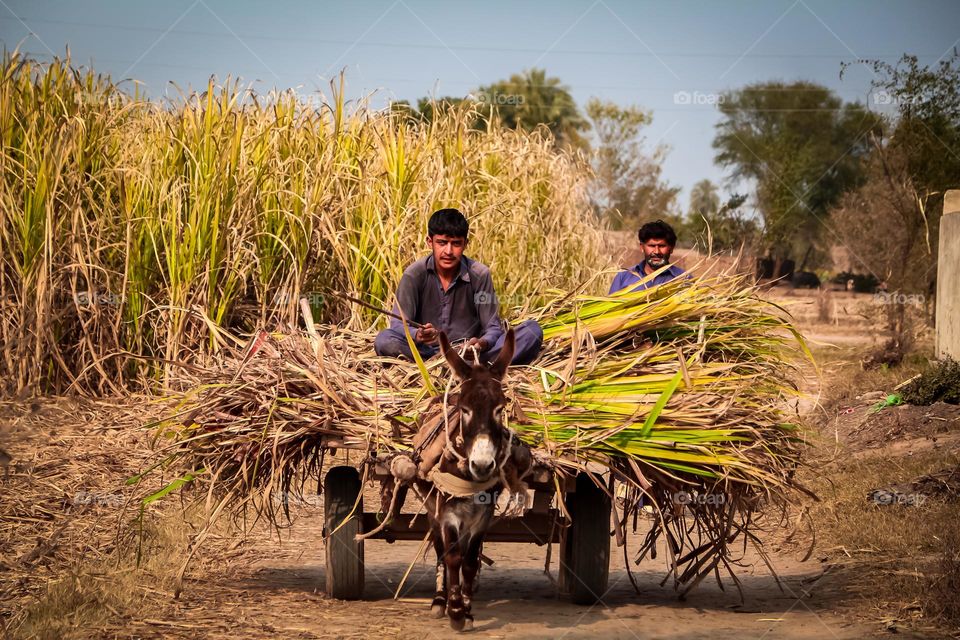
(526, 320)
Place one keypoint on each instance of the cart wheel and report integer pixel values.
(585, 557)
(344, 555)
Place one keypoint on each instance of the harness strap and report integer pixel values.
(456, 486)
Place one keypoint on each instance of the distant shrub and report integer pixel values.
(939, 383)
(862, 283)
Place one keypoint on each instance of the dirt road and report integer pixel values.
(282, 595)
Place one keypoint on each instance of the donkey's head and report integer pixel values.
(481, 408)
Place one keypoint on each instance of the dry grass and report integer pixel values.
(75, 560)
(900, 562)
(849, 523)
(128, 228)
(848, 379)
(94, 594)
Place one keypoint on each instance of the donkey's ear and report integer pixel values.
(460, 368)
(499, 367)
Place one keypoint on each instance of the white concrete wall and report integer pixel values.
(948, 279)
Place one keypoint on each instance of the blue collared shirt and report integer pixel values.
(630, 277)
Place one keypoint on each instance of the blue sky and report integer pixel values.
(670, 57)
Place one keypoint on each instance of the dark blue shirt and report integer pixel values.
(630, 277)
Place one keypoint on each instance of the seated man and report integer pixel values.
(657, 239)
(449, 291)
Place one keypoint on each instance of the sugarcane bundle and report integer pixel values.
(678, 390)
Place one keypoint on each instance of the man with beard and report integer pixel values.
(658, 240)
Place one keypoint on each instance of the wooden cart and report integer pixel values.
(584, 541)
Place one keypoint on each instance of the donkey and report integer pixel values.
(472, 466)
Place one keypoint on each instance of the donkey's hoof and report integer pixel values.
(458, 624)
(468, 624)
(437, 610)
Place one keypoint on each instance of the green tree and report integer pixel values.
(891, 223)
(704, 199)
(530, 99)
(524, 101)
(722, 226)
(926, 124)
(628, 188)
(803, 148)
(428, 109)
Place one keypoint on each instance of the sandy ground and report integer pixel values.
(282, 595)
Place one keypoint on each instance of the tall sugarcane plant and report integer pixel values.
(132, 230)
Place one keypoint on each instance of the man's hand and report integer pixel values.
(481, 344)
(427, 334)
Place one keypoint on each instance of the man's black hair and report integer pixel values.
(448, 222)
(658, 230)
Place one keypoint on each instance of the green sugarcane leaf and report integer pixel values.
(173, 486)
(662, 402)
(428, 383)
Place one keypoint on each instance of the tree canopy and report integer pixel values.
(802, 147)
(722, 225)
(530, 99)
(629, 188)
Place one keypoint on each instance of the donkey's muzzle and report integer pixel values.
(483, 458)
(482, 469)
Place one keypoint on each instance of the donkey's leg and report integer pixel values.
(439, 605)
(471, 566)
(453, 558)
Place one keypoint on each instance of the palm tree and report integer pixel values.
(530, 99)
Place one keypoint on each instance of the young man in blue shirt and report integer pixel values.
(657, 240)
(449, 291)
